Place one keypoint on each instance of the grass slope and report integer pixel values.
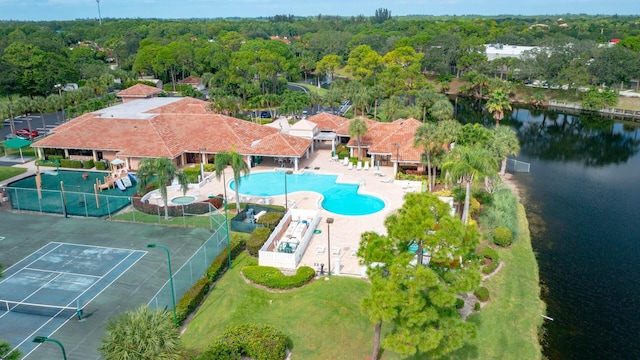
(508, 324)
(322, 319)
(7, 172)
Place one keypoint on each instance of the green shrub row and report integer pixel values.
(254, 341)
(258, 237)
(270, 219)
(101, 165)
(179, 87)
(273, 278)
(68, 163)
(194, 296)
(482, 293)
(88, 164)
(219, 264)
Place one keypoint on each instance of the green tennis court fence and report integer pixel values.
(192, 270)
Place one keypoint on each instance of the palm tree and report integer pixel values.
(376, 92)
(164, 171)
(41, 105)
(505, 143)
(142, 334)
(238, 165)
(357, 129)
(425, 98)
(6, 352)
(392, 107)
(427, 137)
(442, 109)
(469, 164)
(498, 104)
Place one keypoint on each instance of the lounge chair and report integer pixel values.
(386, 180)
(319, 249)
(350, 166)
(345, 161)
(359, 167)
(335, 251)
(366, 165)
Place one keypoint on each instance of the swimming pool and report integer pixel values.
(342, 199)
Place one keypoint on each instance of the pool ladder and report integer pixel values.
(362, 182)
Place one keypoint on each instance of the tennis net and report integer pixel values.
(39, 309)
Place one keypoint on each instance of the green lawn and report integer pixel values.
(314, 88)
(7, 172)
(322, 319)
(508, 324)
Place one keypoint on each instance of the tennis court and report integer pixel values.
(55, 260)
(54, 285)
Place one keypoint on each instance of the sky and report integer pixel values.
(172, 9)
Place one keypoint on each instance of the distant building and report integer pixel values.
(498, 51)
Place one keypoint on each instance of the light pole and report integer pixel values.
(173, 293)
(397, 156)
(286, 200)
(226, 221)
(202, 150)
(41, 339)
(329, 222)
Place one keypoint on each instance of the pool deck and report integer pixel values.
(345, 231)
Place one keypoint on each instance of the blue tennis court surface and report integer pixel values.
(57, 275)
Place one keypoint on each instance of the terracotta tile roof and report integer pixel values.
(191, 80)
(139, 90)
(381, 136)
(172, 129)
(328, 122)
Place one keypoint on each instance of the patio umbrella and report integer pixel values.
(17, 143)
(116, 163)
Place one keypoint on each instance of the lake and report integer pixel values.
(581, 197)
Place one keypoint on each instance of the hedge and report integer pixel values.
(255, 341)
(270, 219)
(88, 164)
(482, 293)
(273, 278)
(68, 163)
(194, 296)
(258, 237)
(101, 165)
(490, 253)
(196, 208)
(219, 264)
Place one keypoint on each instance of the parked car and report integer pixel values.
(265, 115)
(9, 136)
(26, 134)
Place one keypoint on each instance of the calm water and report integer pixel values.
(338, 198)
(582, 197)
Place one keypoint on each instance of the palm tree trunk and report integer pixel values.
(429, 169)
(467, 198)
(376, 341)
(503, 167)
(166, 208)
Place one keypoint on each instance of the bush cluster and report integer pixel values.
(101, 165)
(255, 341)
(192, 173)
(491, 253)
(196, 208)
(194, 296)
(273, 278)
(502, 236)
(88, 164)
(502, 211)
(270, 219)
(459, 303)
(482, 293)
(258, 237)
(73, 164)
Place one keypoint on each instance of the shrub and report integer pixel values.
(210, 167)
(192, 173)
(488, 269)
(255, 341)
(273, 278)
(270, 219)
(88, 164)
(191, 299)
(443, 192)
(74, 164)
(459, 303)
(55, 157)
(482, 293)
(502, 236)
(483, 197)
(219, 264)
(490, 253)
(101, 165)
(476, 306)
(258, 237)
(474, 206)
(502, 211)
